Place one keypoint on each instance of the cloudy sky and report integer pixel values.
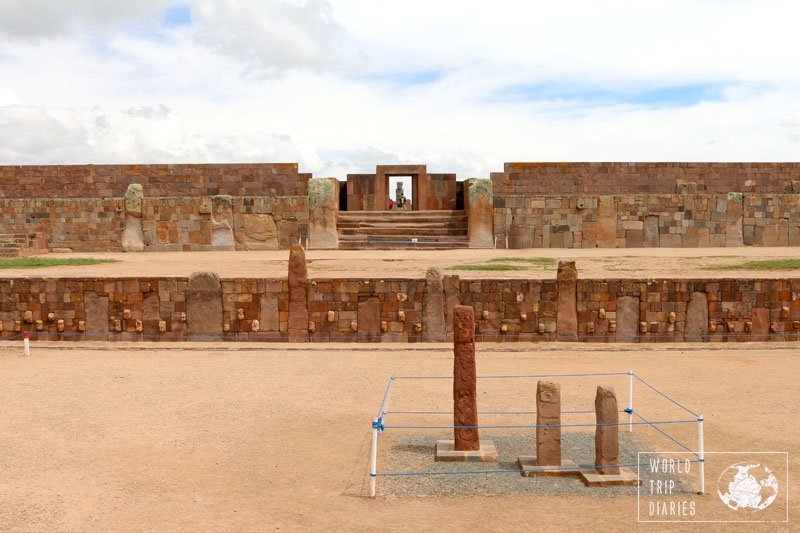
(340, 86)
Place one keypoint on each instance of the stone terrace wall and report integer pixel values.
(169, 223)
(647, 220)
(632, 178)
(371, 310)
(107, 181)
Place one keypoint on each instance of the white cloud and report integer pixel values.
(38, 19)
(268, 36)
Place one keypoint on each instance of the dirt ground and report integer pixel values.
(592, 263)
(192, 437)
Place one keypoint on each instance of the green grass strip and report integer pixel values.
(538, 261)
(38, 262)
(765, 264)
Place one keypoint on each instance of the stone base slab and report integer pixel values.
(530, 468)
(445, 451)
(626, 476)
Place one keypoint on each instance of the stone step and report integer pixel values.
(408, 225)
(402, 231)
(401, 220)
(403, 214)
(391, 245)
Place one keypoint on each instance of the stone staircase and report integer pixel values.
(13, 244)
(402, 230)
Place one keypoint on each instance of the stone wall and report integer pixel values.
(632, 178)
(168, 223)
(374, 310)
(648, 220)
(107, 181)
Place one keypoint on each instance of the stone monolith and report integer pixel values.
(465, 401)
(298, 295)
(567, 311)
(606, 437)
(548, 413)
(204, 306)
(433, 324)
(133, 234)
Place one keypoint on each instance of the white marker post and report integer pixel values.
(373, 459)
(630, 401)
(26, 342)
(701, 455)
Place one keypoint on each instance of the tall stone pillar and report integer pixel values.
(466, 445)
(222, 223)
(567, 312)
(433, 325)
(465, 395)
(479, 205)
(133, 235)
(298, 295)
(606, 437)
(548, 413)
(323, 205)
(734, 219)
(204, 307)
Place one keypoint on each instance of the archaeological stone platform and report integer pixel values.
(264, 206)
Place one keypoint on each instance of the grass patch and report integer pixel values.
(488, 266)
(38, 262)
(538, 261)
(765, 264)
(391, 259)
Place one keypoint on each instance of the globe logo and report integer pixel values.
(747, 487)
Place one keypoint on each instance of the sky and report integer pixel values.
(340, 86)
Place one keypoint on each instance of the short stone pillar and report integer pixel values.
(133, 234)
(479, 205)
(433, 325)
(298, 295)
(466, 445)
(606, 437)
(548, 413)
(606, 444)
(567, 311)
(323, 205)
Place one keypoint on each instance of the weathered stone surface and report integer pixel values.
(451, 298)
(260, 232)
(269, 316)
(133, 234)
(696, 328)
(734, 217)
(465, 401)
(323, 200)
(606, 438)
(651, 237)
(606, 222)
(222, 223)
(298, 294)
(369, 319)
(204, 306)
(567, 314)
(480, 212)
(760, 324)
(548, 412)
(433, 325)
(96, 308)
(628, 318)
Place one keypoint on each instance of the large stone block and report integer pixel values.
(480, 212)
(734, 217)
(260, 232)
(369, 319)
(204, 307)
(222, 223)
(96, 310)
(323, 206)
(628, 318)
(696, 328)
(606, 222)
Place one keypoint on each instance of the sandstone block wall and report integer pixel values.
(374, 310)
(105, 181)
(632, 178)
(648, 220)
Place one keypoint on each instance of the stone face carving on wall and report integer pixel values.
(222, 223)
(133, 235)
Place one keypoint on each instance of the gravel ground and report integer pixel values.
(403, 452)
